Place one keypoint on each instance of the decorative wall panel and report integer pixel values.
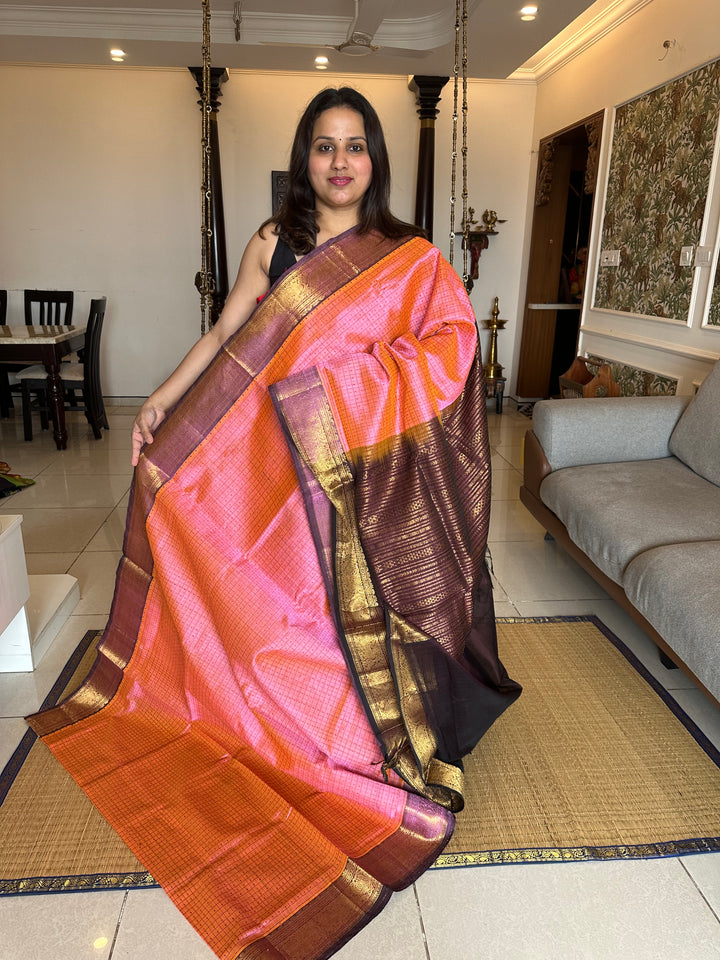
(657, 189)
(714, 312)
(634, 381)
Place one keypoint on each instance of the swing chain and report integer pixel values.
(205, 281)
(460, 62)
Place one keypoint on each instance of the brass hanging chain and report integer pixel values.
(205, 280)
(453, 155)
(465, 219)
(460, 66)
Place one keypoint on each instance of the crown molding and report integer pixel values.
(421, 33)
(93, 22)
(584, 32)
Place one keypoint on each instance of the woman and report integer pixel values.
(339, 178)
(301, 646)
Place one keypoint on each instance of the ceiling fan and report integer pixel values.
(369, 14)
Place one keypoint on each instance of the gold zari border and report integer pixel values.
(377, 639)
(77, 884)
(643, 851)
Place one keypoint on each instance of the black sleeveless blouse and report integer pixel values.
(282, 259)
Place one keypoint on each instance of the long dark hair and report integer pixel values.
(296, 220)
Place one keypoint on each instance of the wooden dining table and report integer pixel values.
(47, 345)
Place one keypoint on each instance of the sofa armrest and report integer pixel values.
(535, 464)
(606, 430)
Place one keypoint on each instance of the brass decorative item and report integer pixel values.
(469, 222)
(475, 240)
(490, 219)
(493, 370)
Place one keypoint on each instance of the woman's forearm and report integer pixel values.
(186, 373)
(251, 283)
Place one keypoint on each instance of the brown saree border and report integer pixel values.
(426, 827)
(327, 923)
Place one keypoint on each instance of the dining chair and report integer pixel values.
(49, 307)
(82, 377)
(44, 307)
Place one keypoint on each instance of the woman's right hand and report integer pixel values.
(146, 423)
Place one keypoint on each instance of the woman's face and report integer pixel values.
(339, 168)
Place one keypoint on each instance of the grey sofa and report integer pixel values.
(630, 487)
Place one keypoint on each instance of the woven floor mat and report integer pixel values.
(594, 761)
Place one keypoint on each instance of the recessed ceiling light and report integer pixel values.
(117, 52)
(529, 9)
(321, 60)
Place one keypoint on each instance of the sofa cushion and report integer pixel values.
(696, 438)
(606, 429)
(614, 511)
(675, 587)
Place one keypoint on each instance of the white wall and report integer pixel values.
(623, 65)
(101, 189)
(99, 194)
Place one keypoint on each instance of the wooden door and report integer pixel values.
(546, 316)
(538, 335)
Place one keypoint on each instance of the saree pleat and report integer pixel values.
(301, 645)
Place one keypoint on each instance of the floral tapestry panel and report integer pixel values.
(634, 381)
(657, 189)
(714, 312)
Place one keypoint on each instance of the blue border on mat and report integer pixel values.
(80, 882)
(536, 855)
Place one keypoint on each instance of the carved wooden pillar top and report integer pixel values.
(427, 91)
(218, 75)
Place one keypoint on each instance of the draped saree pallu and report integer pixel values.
(302, 644)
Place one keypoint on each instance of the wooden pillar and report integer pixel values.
(427, 92)
(218, 251)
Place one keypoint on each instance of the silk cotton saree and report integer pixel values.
(301, 645)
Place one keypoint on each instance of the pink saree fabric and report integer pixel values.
(275, 720)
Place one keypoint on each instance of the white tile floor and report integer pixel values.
(644, 910)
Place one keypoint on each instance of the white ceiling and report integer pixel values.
(168, 33)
